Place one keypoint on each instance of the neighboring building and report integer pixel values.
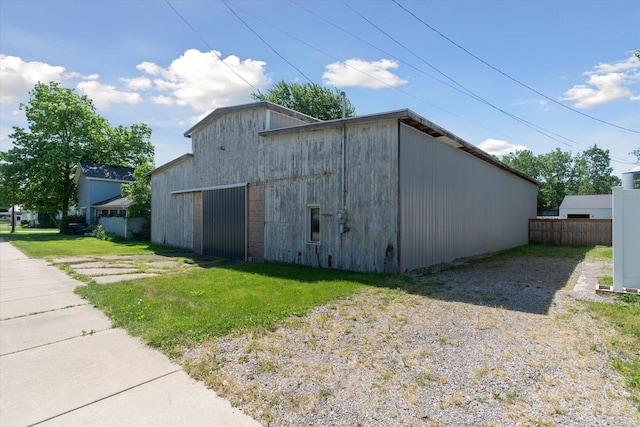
(113, 216)
(98, 183)
(389, 192)
(631, 179)
(593, 207)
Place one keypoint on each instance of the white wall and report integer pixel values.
(593, 213)
(626, 239)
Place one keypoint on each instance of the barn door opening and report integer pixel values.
(224, 222)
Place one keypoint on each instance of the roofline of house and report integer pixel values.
(254, 105)
(107, 203)
(186, 156)
(414, 120)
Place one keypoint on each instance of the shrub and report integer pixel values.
(99, 233)
(47, 220)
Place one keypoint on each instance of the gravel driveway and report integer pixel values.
(501, 343)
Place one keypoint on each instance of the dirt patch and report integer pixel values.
(501, 343)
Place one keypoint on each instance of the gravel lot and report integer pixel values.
(502, 343)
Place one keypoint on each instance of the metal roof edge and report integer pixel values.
(186, 156)
(409, 118)
(215, 187)
(254, 105)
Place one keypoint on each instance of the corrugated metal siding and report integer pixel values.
(224, 226)
(454, 205)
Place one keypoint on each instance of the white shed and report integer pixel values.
(597, 206)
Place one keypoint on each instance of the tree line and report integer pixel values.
(561, 174)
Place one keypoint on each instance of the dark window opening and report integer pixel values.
(578, 216)
(314, 224)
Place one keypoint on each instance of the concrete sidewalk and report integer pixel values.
(62, 364)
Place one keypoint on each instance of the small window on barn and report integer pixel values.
(313, 224)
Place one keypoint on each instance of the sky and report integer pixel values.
(502, 75)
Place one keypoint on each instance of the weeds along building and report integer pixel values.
(389, 192)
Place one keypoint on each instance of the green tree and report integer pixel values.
(561, 174)
(63, 130)
(308, 98)
(636, 153)
(139, 191)
(592, 173)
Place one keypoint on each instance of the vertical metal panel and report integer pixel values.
(224, 225)
(455, 205)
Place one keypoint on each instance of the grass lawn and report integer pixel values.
(625, 316)
(177, 311)
(49, 243)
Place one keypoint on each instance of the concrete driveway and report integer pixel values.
(62, 363)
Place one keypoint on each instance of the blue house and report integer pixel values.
(98, 183)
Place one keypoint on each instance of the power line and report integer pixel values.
(208, 46)
(264, 41)
(507, 75)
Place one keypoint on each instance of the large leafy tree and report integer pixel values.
(561, 174)
(64, 129)
(308, 98)
(139, 191)
(593, 173)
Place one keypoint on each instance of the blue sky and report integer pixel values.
(152, 62)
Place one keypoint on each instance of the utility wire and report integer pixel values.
(263, 41)
(507, 75)
(208, 46)
(363, 72)
(467, 91)
(545, 132)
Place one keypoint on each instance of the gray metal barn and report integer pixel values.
(389, 192)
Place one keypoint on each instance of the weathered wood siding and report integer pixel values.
(583, 232)
(455, 205)
(227, 150)
(305, 169)
(172, 218)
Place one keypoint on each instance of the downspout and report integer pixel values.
(342, 213)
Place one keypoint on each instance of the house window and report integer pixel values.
(313, 224)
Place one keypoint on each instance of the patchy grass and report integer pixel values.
(38, 244)
(624, 315)
(591, 253)
(177, 311)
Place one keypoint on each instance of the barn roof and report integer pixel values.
(596, 201)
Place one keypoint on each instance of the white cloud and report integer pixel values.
(357, 72)
(105, 95)
(162, 100)
(139, 83)
(203, 81)
(18, 77)
(607, 83)
(499, 148)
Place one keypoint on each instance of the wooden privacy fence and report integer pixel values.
(587, 232)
